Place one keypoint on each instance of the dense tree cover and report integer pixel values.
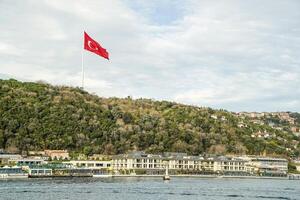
(37, 116)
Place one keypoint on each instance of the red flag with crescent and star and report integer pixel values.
(94, 46)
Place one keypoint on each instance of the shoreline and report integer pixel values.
(199, 176)
(109, 176)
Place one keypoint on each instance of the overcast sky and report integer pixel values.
(239, 55)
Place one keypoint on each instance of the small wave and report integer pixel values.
(270, 197)
(81, 192)
(150, 192)
(234, 195)
(186, 194)
(289, 188)
(29, 191)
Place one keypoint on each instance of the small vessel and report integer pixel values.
(12, 173)
(166, 177)
(102, 175)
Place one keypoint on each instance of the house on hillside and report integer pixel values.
(57, 154)
(5, 158)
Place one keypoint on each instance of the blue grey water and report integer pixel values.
(148, 188)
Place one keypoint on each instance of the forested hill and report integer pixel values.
(36, 116)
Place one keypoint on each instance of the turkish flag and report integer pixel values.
(94, 46)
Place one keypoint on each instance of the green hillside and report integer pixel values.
(36, 116)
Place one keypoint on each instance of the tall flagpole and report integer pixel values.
(82, 67)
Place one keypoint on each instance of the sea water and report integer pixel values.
(148, 188)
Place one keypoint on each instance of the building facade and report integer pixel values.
(266, 166)
(5, 158)
(57, 154)
(93, 164)
(178, 163)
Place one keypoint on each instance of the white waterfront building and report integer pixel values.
(92, 164)
(229, 164)
(269, 166)
(137, 160)
(99, 168)
(175, 162)
(182, 163)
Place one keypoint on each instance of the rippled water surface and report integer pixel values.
(148, 188)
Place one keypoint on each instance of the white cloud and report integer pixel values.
(231, 54)
(9, 49)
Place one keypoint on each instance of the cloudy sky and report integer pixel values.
(239, 55)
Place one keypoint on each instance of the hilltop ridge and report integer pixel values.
(37, 116)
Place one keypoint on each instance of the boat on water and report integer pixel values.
(13, 176)
(102, 175)
(12, 173)
(166, 177)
